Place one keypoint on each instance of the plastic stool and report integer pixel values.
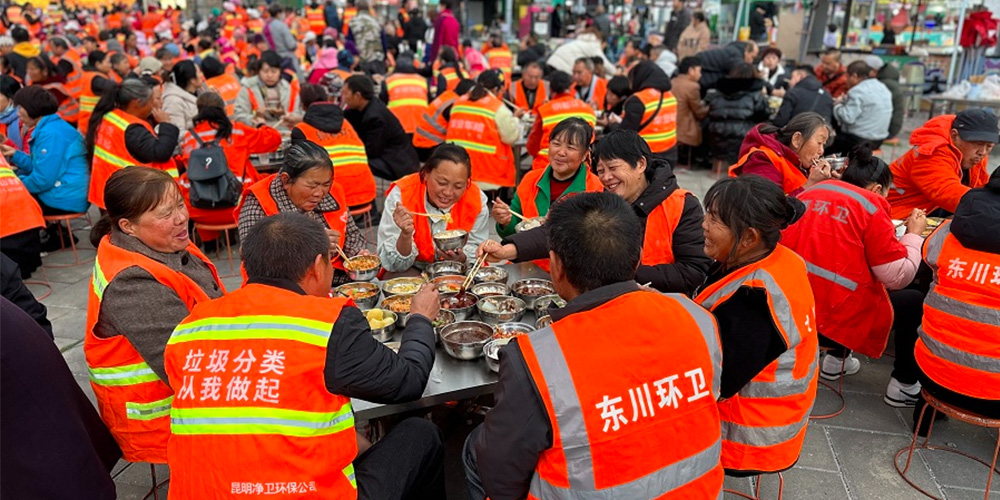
(59, 219)
(756, 490)
(838, 391)
(366, 211)
(224, 228)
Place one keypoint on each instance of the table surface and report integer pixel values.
(451, 379)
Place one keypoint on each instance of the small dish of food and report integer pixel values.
(543, 322)
(465, 339)
(461, 305)
(492, 353)
(530, 289)
(448, 283)
(443, 319)
(382, 323)
(400, 305)
(446, 268)
(483, 290)
(531, 223)
(364, 294)
(401, 286)
(452, 239)
(546, 302)
(511, 330)
(491, 274)
(363, 267)
(501, 309)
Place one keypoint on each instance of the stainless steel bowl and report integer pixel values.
(492, 353)
(363, 303)
(452, 239)
(837, 163)
(527, 225)
(543, 303)
(465, 339)
(489, 308)
(444, 318)
(483, 290)
(384, 334)
(389, 287)
(461, 313)
(530, 289)
(511, 330)
(543, 322)
(363, 274)
(449, 283)
(400, 316)
(491, 274)
(445, 268)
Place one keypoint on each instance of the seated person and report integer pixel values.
(269, 96)
(790, 156)
(863, 114)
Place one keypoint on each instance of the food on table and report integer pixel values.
(508, 305)
(543, 322)
(502, 332)
(932, 224)
(467, 336)
(378, 319)
(363, 263)
(534, 287)
(546, 302)
(356, 293)
(458, 301)
(491, 275)
(399, 303)
(489, 290)
(451, 233)
(444, 317)
(403, 286)
(530, 224)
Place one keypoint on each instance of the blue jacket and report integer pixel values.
(9, 118)
(56, 171)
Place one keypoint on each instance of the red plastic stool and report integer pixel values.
(838, 391)
(224, 229)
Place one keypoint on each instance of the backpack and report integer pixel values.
(213, 184)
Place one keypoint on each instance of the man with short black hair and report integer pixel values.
(804, 94)
(286, 360)
(390, 151)
(864, 113)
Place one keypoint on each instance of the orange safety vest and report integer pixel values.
(335, 220)
(349, 13)
(88, 100)
(407, 98)
(74, 80)
(541, 95)
(792, 177)
(350, 162)
(292, 97)
(473, 126)
(451, 78)
(21, 211)
(317, 22)
(597, 94)
(230, 25)
(133, 401)
(256, 398)
(228, 88)
(626, 423)
(500, 58)
(15, 15)
(660, 132)
(69, 110)
(111, 155)
(959, 344)
(763, 425)
(413, 196)
(432, 126)
(658, 243)
(255, 25)
(551, 114)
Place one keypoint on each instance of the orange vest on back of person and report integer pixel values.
(792, 177)
(432, 126)
(317, 22)
(349, 13)
(407, 98)
(88, 100)
(69, 110)
(230, 25)
(228, 88)
(133, 401)
(350, 162)
(660, 132)
(413, 196)
(15, 14)
(764, 424)
(658, 243)
(267, 413)
(21, 211)
(627, 423)
(959, 344)
(541, 95)
(74, 80)
(255, 25)
(500, 58)
(473, 126)
(554, 112)
(451, 78)
(111, 155)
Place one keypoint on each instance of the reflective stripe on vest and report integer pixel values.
(345, 154)
(967, 312)
(307, 331)
(831, 276)
(87, 103)
(475, 146)
(555, 119)
(250, 420)
(148, 411)
(869, 206)
(399, 103)
(123, 375)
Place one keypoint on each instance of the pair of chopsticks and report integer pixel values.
(341, 252)
(472, 273)
(433, 216)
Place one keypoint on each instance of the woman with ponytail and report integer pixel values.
(759, 292)
(119, 134)
(180, 93)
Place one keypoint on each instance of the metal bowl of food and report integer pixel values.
(459, 305)
(364, 294)
(382, 322)
(446, 268)
(483, 290)
(492, 353)
(529, 224)
(837, 163)
(545, 302)
(452, 239)
(511, 330)
(363, 267)
(501, 309)
(531, 289)
(491, 274)
(400, 306)
(543, 322)
(449, 283)
(401, 286)
(443, 319)
(465, 339)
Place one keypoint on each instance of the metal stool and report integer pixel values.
(756, 490)
(59, 219)
(154, 490)
(366, 212)
(838, 391)
(958, 414)
(224, 228)
(893, 143)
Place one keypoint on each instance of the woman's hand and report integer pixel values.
(819, 172)
(291, 120)
(916, 223)
(426, 302)
(501, 212)
(455, 255)
(334, 237)
(7, 150)
(519, 112)
(160, 116)
(404, 220)
(495, 252)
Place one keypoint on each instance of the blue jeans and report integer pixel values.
(471, 466)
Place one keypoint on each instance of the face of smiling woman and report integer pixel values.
(622, 179)
(163, 228)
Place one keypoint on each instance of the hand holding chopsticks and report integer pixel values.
(341, 252)
(472, 272)
(445, 217)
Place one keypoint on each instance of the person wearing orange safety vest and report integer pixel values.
(432, 127)
(69, 63)
(770, 361)
(144, 257)
(673, 254)
(957, 351)
(225, 84)
(345, 20)
(121, 137)
(269, 96)
(283, 360)
(19, 227)
(530, 92)
(15, 14)
(95, 82)
(586, 411)
(498, 56)
(405, 93)
(230, 22)
(563, 105)
(588, 86)
(790, 156)
(482, 124)
(314, 14)
(651, 110)
(447, 71)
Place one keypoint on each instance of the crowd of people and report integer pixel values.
(293, 126)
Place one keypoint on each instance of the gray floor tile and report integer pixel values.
(866, 461)
(803, 484)
(816, 452)
(973, 494)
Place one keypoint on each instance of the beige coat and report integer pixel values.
(694, 39)
(181, 105)
(690, 110)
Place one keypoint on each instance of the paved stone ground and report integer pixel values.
(846, 457)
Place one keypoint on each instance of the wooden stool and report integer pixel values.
(756, 490)
(838, 391)
(958, 414)
(366, 212)
(224, 228)
(59, 219)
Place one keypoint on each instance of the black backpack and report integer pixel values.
(213, 184)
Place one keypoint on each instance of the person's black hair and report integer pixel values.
(619, 86)
(532, 64)
(212, 67)
(864, 168)
(807, 124)
(361, 84)
(118, 57)
(96, 57)
(860, 69)
(560, 82)
(635, 41)
(274, 9)
(163, 53)
(303, 156)
(58, 41)
(464, 86)
(448, 4)
(212, 109)
(687, 63)
(36, 101)
(831, 27)
(625, 145)
(311, 93)
(575, 131)
(447, 152)
(20, 35)
(89, 39)
(271, 58)
(490, 79)
(105, 35)
(117, 97)
(283, 246)
(597, 60)
(752, 202)
(183, 73)
(447, 55)
(699, 15)
(129, 193)
(466, 43)
(595, 227)
(9, 86)
(204, 44)
(586, 62)
(805, 68)
(742, 71)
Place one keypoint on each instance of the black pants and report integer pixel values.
(408, 463)
(908, 306)
(25, 249)
(985, 407)
(844, 142)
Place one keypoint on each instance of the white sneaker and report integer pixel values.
(898, 395)
(833, 367)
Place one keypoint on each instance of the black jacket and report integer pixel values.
(323, 116)
(679, 20)
(889, 76)
(686, 274)
(390, 151)
(807, 95)
(647, 75)
(146, 147)
(717, 63)
(535, 53)
(15, 291)
(732, 112)
(977, 219)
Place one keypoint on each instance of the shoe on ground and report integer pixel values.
(900, 395)
(833, 367)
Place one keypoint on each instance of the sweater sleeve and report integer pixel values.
(897, 274)
(263, 139)
(509, 127)
(388, 234)
(147, 147)
(633, 114)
